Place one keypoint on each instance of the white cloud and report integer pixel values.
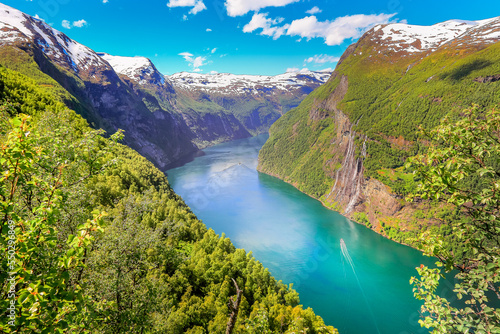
(181, 3)
(333, 32)
(213, 50)
(197, 5)
(297, 70)
(214, 72)
(38, 17)
(322, 59)
(66, 24)
(241, 7)
(314, 10)
(269, 26)
(79, 24)
(105, 1)
(199, 61)
(208, 30)
(337, 31)
(186, 55)
(194, 62)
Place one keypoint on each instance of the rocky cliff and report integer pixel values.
(91, 86)
(217, 107)
(164, 118)
(347, 142)
(256, 101)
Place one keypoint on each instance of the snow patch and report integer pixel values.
(15, 25)
(138, 68)
(226, 83)
(414, 38)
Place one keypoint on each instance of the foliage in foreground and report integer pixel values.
(462, 168)
(104, 245)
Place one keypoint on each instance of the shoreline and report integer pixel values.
(325, 206)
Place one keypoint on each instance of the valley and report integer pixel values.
(356, 199)
(299, 241)
(348, 141)
(161, 122)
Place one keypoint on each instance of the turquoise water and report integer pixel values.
(299, 241)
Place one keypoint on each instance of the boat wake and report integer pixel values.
(347, 257)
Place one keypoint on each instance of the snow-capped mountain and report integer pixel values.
(247, 103)
(413, 38)
(139, 69)
(17, 28)
(230, 84)
(142, 71)
(161, 121)
(97, 92)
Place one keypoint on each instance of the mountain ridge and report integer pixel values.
(347, 142)
(161, 124)
(432, 37)
(227, 83)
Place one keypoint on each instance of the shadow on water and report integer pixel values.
(184, 160)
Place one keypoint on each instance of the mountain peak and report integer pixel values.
(414, 38)
(226, 83)
(17, 27)
(139, 69)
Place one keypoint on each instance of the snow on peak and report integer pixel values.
(16, 26)
(11, 19)
(225, 83)
(137, 68)
(414, 38)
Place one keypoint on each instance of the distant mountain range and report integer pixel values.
(164, 117)
(230, 84)
(348, 140)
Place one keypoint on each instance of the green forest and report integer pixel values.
(391, 102)
(427, 129)
(101, 243)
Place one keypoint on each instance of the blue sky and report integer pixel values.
(238, 36)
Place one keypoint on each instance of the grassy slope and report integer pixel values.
(389, 101)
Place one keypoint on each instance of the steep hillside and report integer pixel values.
(163, 122)
(92, 87)
(347, 142)
(146, 266)
(256, 101)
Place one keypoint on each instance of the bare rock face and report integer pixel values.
(351, 192)
(349, 181)
(488, 79)
(378, 202)
(105, 100)
(164, 117)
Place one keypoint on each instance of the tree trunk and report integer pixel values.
(233, 307)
